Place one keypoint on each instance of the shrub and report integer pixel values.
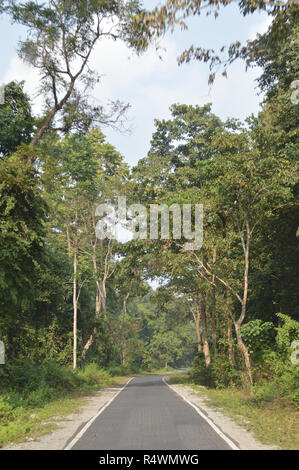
(29, 385)
(117, 370)
(199, 373)
(92, 373)
(258, 337)
(286, 334)
(222, 372)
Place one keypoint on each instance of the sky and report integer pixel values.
(150, 84)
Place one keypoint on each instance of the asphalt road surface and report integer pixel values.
(148, 415)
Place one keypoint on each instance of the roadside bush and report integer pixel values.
(288, 332)
(279, 380)
(115, 371)
(283, 389)
(29, 385)
(6, 412)
(223, 374)
(259, 337)
(93, 374)
(220, 374)
(199, 373)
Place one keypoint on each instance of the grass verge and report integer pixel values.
(273, 422)
(28, 410)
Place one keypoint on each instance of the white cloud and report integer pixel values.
(19, 71)
(236, 96)
(151, 86)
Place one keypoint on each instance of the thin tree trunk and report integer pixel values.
(98, 303)
(123, 338)
(230, 342)
(100, 290)
(49, 118)
(241, 344)
(75, 307)
(231, 354)
(206, 348)
(213, 308)
(196, 317)
(91, 338)
(244, 351)
(68, 238)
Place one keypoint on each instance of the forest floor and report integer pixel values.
(272, 425)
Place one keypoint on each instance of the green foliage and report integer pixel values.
(61, 35)
(115, 371)
(223, 373)
(22, 213)
(283, 385)
(29, 385)
(199, 373)
(287, 333)
(31, 393)
(16, 120)
(220, 373)
(93, 373)
(258, 336)
(51, 262)
(170, 14)
(277, 378)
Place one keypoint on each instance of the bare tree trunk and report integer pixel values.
(88, 343)
(75, 307)
(244, 351)
(123, 338)
(242, 346)
(206, 348)
(213, 308)
(196, 317)
(231, 355)
(68, 238)
(91, 338)
(49, 118)
(230, 342)
(100, 302)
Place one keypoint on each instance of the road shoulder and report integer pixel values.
(245, 439)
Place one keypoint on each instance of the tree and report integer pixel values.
(16, 120)
(241, 185)
(247, 187)
(22, 237)
(62, 36)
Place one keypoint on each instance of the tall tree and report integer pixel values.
(62, 36)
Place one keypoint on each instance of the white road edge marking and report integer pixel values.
(208, 420)
(83, 430)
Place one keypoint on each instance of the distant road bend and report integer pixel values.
(148, 415)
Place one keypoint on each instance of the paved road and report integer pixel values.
(148, 415)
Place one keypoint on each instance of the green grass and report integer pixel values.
(163, 370)
(27, 408)
(179, 379)
(140, 372)
(273, 422)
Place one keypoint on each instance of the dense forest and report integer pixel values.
(70, 300)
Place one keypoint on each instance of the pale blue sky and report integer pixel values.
(151, 85)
